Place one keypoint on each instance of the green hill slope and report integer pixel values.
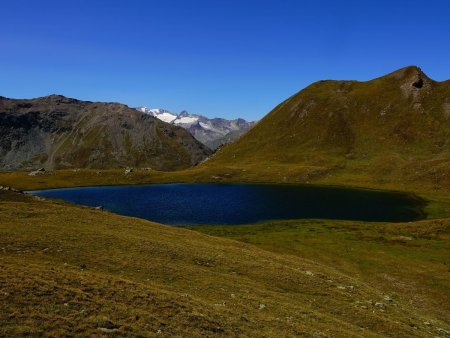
(393, 128)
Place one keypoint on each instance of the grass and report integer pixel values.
(72, 270)
(410, 260)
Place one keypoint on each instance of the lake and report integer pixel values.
(193, 204)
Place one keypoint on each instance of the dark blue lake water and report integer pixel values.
(191, 204)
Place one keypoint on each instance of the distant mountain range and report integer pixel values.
(211, 132)
(60, 132)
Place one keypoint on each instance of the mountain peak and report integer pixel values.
(408, 73)
(57, 98)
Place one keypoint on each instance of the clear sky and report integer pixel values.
(225, 58)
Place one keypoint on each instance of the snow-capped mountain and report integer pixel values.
(162, 114)
(211, 132)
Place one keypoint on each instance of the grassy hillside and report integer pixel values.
(410, 261)
(393, 129)
(68, 269)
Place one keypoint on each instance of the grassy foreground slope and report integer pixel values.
(73, 270)
(409, 261)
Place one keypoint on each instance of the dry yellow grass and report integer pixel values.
(69, 270)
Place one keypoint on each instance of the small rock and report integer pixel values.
(443, 331)
(387, 298)
(6, 188)
(309, 273)
(128, 171)
(402, 238)
(106, 330)
(99, 207)
(262, 306)
(108, 325)
(37, 172)
(380, 305)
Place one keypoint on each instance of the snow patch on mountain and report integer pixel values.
(205, 126)
(167, 117)
(162, 114)
(185, 120)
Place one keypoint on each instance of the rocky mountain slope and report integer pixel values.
(394, 128)
(60, 132)
(211, 132)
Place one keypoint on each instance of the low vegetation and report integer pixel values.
(407, 261)
(74, 270)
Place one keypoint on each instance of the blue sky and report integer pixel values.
(219, 58)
